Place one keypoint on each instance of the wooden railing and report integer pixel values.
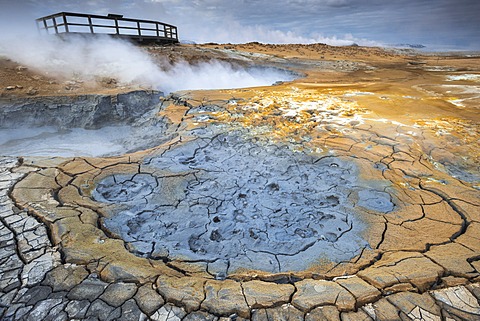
(113, 24)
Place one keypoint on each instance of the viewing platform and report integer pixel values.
(143, 31)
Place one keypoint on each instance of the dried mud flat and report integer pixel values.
(352, 193)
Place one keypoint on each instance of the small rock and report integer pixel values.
(64, 278)
(35, 294)
(118, 293)
(109, 81)
(225, 297)
(35, 271)
(130, 311)
(77, 309)
(89, 289)
(187, 292)
(32, 91)
(361, 290)
(148, 300)
(71, 85)
(284, 312)
(10, 87)
(327, 313)
(261, 294)
(21, 68)
(168, 313)
(42, 309)
(102, 310)
(319, 293)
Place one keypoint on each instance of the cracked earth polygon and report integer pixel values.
(235, 203)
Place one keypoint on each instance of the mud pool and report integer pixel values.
(236, 203)
(51, 141)
(91, 125)
(48, 141)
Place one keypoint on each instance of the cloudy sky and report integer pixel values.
(438, 24)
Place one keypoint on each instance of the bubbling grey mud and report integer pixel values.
(233, 203)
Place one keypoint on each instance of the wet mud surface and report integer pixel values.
(229, 200)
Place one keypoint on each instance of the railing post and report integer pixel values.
(138, 28)
(157, 29)
(90, 24)
(55, 24)
(46, 26)
(65, 22)
(116, 26)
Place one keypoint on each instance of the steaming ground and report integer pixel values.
(82, 58)
(77, 60)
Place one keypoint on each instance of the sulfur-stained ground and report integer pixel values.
(351, 193)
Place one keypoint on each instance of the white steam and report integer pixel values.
(234, 32)
(92, 58)
(79, 57)
(218, 74)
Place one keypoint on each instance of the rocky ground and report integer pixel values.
(351, 193)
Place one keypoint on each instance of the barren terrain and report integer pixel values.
(349, 193)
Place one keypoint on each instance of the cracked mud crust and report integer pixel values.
(330, 198)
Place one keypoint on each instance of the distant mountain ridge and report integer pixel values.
(408, 45)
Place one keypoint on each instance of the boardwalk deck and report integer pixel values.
(115, 25)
